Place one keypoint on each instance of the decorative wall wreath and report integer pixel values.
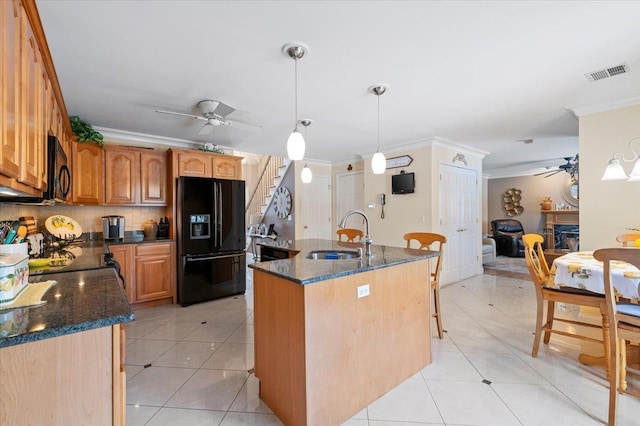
(511, 200)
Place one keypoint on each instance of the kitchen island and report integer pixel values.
(332, 336)
(63, 362)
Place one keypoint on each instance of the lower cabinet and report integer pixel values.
(149, 272)
(74, 379)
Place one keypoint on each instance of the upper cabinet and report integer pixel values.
(205, 164)
(88, 174)
(121, 176)
(29, 91)
(135, 176)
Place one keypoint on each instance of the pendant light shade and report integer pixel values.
(378, 161)
(614, 171)
(634, 176)
(295, 143)
(306, 174)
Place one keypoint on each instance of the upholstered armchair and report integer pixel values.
(508, 236)
(488, 249)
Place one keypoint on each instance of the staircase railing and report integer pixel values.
(269, 171)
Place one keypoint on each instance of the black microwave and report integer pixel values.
(58, 173)
(58, 178)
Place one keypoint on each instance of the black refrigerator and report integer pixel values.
(211, 238)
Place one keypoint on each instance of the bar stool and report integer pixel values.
(350, 233)
(426, 239)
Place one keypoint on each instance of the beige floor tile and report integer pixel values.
(209, 390)
(187, 354)
(155, 385)
(411, 401)
(181, 416)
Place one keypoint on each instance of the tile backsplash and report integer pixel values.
(87, 216)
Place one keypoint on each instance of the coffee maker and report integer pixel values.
(113, 227)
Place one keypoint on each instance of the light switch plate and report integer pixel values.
(363, 291)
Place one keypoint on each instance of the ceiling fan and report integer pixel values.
(214, 113)
(571, 167)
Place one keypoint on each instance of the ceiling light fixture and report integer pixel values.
(306, 174)
(614, 170)
(295, 143)
(378, 162)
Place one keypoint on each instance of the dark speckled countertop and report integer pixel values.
(301, 270)
(80, 301)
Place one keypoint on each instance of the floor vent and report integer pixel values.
(607, 72)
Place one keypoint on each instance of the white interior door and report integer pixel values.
(350, 196)
(316, 208)
(459, 222)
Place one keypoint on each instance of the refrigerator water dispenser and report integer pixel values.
(200, 228)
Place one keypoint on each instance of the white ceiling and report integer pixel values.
(483, 74)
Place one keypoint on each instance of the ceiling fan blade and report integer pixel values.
(554, 173)
(244, 126)
(223, 109)
(544, 173)
(197, 117)
(206, 129)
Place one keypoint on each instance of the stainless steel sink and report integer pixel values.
(332, 254)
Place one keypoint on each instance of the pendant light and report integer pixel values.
(614, 170)
(378, 162)
(295, 143)
(306, 174)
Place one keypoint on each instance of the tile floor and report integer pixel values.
(190, 366)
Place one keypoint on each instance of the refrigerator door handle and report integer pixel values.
(199, 259)
(219, 215)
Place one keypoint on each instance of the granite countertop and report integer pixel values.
(80, 301)
(303, 271)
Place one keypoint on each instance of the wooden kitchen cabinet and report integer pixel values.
(135, 176)
(153, 178)
(74, 379)
(28, 80)
(149, 272)
(155, 268)
(88, 173)
(123, 254)
(227, 167)
(194, 164)
(121, 176)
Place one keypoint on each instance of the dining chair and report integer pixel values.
(625, 239)
(426, 240)
(350, 234)
(624, 320)
(545, 291)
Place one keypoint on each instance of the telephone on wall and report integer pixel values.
(383, 201)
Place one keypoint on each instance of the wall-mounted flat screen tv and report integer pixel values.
(404, 183)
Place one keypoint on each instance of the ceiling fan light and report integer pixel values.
(378, 163)
(295, 146)
(614, 171)
(306, 174)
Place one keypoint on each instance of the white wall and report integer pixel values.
(607, 208)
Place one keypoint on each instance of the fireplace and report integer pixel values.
(559, 226)
(561, 233)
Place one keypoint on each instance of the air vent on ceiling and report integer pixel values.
(607, 72)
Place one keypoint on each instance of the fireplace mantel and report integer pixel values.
(558, 217)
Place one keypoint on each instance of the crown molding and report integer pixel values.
(622, 102)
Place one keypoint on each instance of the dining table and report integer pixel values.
(581, 270)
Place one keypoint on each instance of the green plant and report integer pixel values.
(85, 132)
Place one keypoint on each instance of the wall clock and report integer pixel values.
(282, 202)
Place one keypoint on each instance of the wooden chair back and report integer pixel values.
(627, 240)
(623, 326)
(429, 241)
(350, 233)
(536, 262)
(435, 242)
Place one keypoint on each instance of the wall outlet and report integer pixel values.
(363, 291)
(372, 205)
(421, 218)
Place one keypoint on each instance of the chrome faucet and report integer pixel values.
(367, 237)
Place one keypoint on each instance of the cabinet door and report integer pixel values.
(32, 146)
(88, 186)
(154, 271)
(122, 176)
(9, 83)
(123, 254)
(153, 178)
(198, 165)
(226, 167)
